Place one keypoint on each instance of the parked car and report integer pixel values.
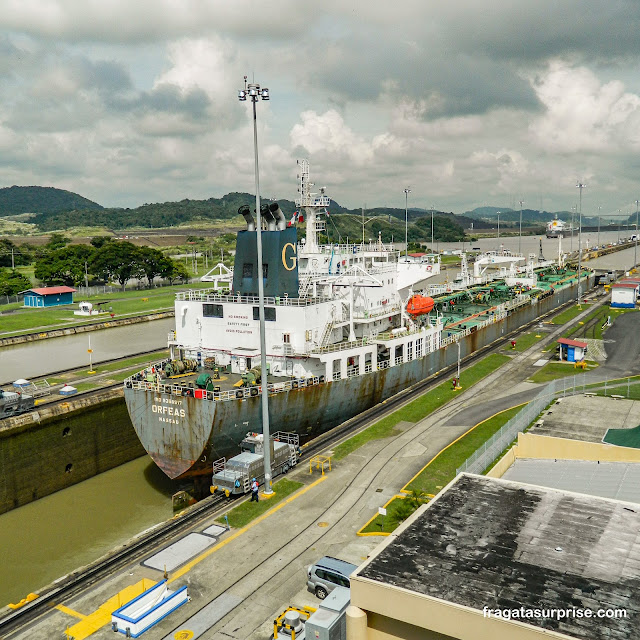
(327, 574)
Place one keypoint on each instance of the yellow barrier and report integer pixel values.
(29, 598)
(319, 461)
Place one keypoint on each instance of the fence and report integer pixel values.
(492, 448)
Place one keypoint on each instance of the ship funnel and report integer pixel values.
(245, 211)
(269, 218)
(275, 209)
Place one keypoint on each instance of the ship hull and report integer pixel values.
(184, 435)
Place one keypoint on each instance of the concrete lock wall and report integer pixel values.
(60, 449)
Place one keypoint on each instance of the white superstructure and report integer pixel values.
(349, 318)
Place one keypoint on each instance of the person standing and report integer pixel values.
(254, 490)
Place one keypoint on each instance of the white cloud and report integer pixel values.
(582, 113)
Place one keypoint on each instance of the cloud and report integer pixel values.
(583, 114)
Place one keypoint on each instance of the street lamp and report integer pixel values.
(520, 236)
(498, 212)
(599, 210)
(407, 191)
(635, 246)
(253, 92)
(580, 186)
(432, 207)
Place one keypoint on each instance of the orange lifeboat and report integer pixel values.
(418, 305)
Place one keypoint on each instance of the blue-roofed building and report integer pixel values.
(48, 296)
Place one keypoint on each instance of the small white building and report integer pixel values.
(572, 350)
(623, 295)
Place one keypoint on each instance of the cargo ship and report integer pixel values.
(558, 228)
(347, 326)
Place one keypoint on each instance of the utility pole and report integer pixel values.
(407, 191)
(432, 206)
(520, 236)
(580, 186)
(635, 246)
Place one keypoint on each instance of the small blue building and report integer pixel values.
(48, 296)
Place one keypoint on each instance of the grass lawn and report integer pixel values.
(569, 314)
(385, 524)
(596, 330)
(555, 370)
(422, 406)
(525, 341)
(245, 512)
(442, 468)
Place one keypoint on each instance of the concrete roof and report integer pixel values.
(619, 480)
(583, 418)
(486, 542)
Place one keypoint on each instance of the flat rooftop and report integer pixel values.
(618, 480)
(486, 542)
(582, 417)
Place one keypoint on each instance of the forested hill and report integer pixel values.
(15, 200)
(158, 215)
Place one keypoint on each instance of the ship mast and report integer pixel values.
(312, 203)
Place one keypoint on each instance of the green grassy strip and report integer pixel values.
(385, 524)
(129, 302)
(442, 468)
(245, 512)
(526, 341)
(421, 407)
(569, 314)
(556, 370)
(596, 330)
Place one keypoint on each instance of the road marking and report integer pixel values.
(190, 565)
(70, 612)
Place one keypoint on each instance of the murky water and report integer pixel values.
(43, 357)
(51, 537)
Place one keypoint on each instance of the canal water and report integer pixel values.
(49, 538)
(43, 357)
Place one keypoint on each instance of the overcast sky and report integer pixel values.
(467, 103)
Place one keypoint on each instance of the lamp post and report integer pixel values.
(520, 236)
(580, 186)
(599, 210)
(254, 91)
(498, 212)
(432, 207)
(635, 246)
(407, 191)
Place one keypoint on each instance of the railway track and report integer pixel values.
(76, 582)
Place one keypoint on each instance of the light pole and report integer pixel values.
(581, 186)
(619, 221)
(635, 246)
(407, 191)
(520, 236)
(599, 210)
(432, 207)
(498, 212)
(253, 91)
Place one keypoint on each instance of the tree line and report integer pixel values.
(104, 260)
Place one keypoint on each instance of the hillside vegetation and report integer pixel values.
(16, 200)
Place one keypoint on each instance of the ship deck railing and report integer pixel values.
(211, 295)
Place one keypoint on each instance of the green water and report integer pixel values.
(51, 537)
